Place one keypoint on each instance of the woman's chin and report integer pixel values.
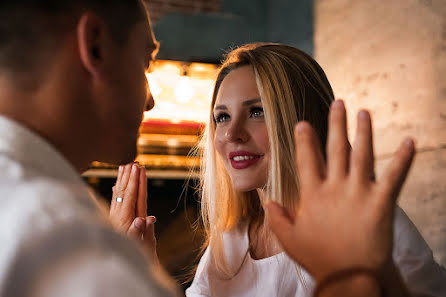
(246, 187)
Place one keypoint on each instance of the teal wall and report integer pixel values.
(206, 37)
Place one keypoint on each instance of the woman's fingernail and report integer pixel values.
(139, 223)
(120, 169)
(153, 219)
(134, 168)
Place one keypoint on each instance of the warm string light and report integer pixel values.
(181, 91)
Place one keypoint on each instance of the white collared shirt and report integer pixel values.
(53, 241)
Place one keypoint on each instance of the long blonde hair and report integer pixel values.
(292, 87)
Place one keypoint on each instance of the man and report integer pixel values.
(72, 90)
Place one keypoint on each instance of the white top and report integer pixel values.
(278, 276)
(53, 241)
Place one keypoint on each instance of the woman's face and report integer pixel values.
(241, 136)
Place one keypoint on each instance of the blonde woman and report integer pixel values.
(261, 92)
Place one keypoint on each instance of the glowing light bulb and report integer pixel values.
(184, 91)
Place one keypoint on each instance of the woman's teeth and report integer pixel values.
(241, 158)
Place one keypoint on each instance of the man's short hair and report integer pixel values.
(31, 29)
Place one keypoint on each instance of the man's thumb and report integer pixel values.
(279, 220)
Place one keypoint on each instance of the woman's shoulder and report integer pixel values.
(406, 234)
(414, 258)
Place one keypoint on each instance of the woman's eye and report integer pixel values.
(256, 112)
(220, 118)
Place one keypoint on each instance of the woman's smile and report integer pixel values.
(243, 159)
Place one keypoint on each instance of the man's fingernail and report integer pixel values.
(408, 143)
(300, 127)
(338, 104)
(363, 114)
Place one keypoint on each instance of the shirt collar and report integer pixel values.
(30, 149)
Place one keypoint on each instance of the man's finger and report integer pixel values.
(338, 148)
(113, 202)
(149, 234)
(362, 162)
(150, 239)
(119, 178)
(396, 173)
(131, 192)
(141, 209)
(125, 176)
(309, 160)
(280, 222)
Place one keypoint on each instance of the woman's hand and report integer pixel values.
(128, 210)
(344, 217)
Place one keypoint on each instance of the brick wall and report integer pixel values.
(159, 8)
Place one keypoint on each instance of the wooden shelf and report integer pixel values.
(155, 174)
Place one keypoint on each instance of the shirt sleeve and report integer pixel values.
(73, 258)
(200, 284)
(92, 275)
(422, 275)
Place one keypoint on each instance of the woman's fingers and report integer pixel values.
(309, 160)
(338, 148)
(141, 207)
(396, 173)
(362, 159)
(137, 228)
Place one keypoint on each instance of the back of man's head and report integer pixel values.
(30, 30)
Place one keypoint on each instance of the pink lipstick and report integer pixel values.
(243, 159)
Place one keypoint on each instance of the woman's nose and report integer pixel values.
(236, 133)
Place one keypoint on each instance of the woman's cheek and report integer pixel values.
(219, 143)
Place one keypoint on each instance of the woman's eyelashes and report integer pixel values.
(254, 112)
(221, 117)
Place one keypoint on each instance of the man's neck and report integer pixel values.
(33, 112)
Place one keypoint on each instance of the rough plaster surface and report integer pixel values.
(390, 57)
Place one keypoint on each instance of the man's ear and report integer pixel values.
(93, 44)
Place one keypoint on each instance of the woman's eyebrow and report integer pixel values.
(220, 107)
(244, 103)
(251, 101)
